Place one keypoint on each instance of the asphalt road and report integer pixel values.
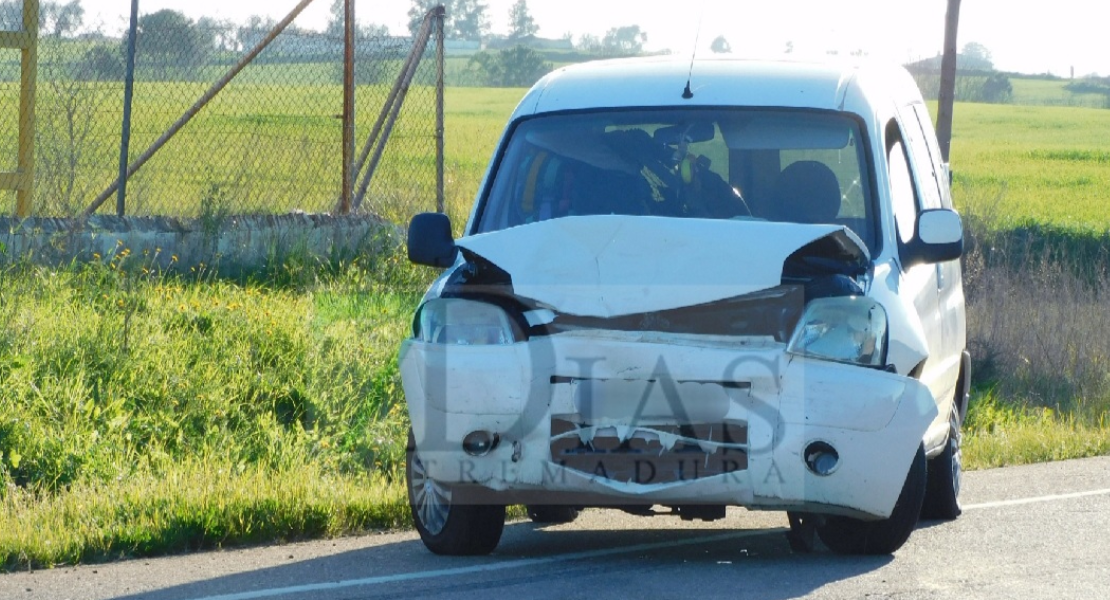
(1040, 531)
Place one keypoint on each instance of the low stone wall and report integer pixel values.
(233, 245)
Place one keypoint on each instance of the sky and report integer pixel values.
(1070, 34)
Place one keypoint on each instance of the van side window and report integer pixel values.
(919, 156)
(926, 124)
(903, 198)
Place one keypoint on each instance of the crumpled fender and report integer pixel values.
(907, 345)
(874, 419)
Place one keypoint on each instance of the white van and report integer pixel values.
(689, 286)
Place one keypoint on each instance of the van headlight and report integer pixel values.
(464, 323)
(847, 329)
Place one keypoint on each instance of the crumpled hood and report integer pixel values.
(613, 265)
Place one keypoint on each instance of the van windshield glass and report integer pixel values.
(776, 165)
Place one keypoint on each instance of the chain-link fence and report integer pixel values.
(9, 115)
(271, 141)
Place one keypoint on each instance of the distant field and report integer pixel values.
(1046, 164)
(1052, 92)
(274, 148)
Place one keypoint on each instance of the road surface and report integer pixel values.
(1039, 531)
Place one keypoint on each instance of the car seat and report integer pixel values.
(806, 191)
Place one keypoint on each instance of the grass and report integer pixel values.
(1047, 165)
(998, 433)
(198, 504)
(143, 412)
(1033, 91)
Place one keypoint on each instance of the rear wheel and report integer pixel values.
(942, 493)
(845, 535)
(447, 519)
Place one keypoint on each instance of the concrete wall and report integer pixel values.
(232, 245)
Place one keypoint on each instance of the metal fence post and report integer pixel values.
(440, 199)
(348, 105)
(128, 94)
(372, 139)
(392, 108)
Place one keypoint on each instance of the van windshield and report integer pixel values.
(776, 165)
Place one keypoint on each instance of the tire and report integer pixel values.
(846, 535)
(447, 524)
(942, 492)
(552, 514)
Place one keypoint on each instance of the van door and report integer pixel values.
(931, 284)
(950, 274)
(919, 282)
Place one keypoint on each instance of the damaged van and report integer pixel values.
(684, 287)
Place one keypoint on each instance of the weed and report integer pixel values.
(215, 206)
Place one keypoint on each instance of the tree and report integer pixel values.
(102, 63)
(521, 23)
(518, 66)
(720, 45)
(256, 28)
(588, 43)
(55, 18)
(338, 14)
(62, 19)
(975, 56)
(170, 42)
(997, 89)
(68, 163)
(465, 19)
(11, 13)
(372, 31)
(217, 34)
(627, 40)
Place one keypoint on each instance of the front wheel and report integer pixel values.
(845, 535)
(942, 493)
(446, 522)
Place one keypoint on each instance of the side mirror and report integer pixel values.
(939, 237)
(430, 242)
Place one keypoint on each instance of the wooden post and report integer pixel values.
(26, 41)
(948, 79)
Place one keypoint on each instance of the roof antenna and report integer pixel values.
(688, 93)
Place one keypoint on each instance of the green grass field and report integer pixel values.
(143, 413)
(261, 147)
(1052, 92)
(1045, 164)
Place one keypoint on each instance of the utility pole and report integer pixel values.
(948, 79)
